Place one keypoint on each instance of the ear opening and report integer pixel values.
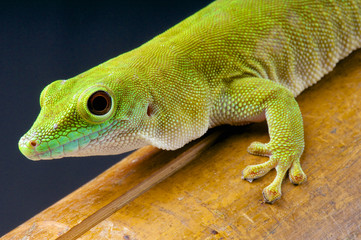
(150, 110)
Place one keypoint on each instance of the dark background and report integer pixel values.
(43, 41)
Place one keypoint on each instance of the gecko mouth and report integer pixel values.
(61, 147)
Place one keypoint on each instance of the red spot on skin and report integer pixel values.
(298, 178)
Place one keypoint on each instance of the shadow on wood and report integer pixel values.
(208, 200)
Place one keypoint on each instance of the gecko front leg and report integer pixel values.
(251, 99)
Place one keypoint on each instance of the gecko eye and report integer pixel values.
(99, 103)
(96, 104)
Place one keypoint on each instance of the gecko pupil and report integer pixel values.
(99, 103)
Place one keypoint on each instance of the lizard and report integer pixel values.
(233, 62)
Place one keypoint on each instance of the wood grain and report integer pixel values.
(207, 199)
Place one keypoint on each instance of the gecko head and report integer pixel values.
(83, 117)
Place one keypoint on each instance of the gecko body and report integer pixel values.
(233, 62)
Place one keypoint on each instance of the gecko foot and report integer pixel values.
(281, 162)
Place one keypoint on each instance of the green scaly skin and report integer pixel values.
(233, 62)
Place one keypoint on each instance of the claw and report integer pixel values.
(247, 179)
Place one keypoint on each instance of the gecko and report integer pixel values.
(234, 62)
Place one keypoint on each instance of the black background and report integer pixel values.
(43, 41)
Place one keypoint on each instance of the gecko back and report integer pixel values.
(294, 43)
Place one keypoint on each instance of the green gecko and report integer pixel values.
(233, 62)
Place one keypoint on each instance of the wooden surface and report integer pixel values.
(207, 199)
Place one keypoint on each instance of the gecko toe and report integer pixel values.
(260, 149)
(271, 193)
(256, 171)
(296, 174)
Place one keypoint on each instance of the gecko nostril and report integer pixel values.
(33, 143)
